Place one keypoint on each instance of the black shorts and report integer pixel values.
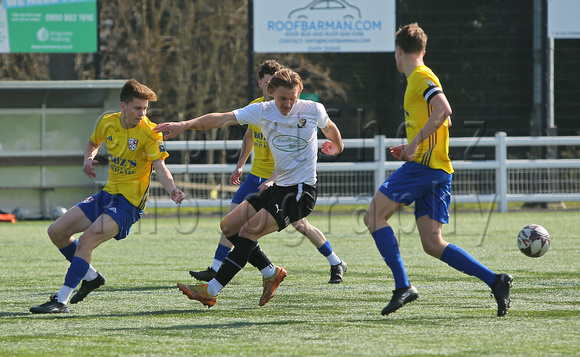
(286, 204)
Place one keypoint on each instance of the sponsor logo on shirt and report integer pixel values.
(122, 166)
(289, 143)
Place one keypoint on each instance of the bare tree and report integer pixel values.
(193, 53)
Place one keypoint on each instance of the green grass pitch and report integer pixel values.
(141, 312)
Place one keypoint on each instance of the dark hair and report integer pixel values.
(269, 67)
(133, 89)
(411, 38)
(286, 78)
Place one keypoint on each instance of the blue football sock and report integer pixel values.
(325, 249)
(77, 270)
(459, 259)
(389, 248)
(221, 252)
(69, 250)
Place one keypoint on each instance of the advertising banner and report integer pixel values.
(48, 26)
(299, 26)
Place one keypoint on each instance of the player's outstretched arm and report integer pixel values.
(336, 145)
(204, 122)
(89, 164)
(166, 179)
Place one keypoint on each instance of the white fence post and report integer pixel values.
(380, 158)
(501, 177)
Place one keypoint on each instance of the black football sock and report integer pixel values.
(257, 258)
(236, 260)
(233, 239)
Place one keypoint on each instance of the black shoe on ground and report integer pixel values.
(203, 275)
(401, 297)
(50, 307)
(337, 272)
(87, 287)
(501, 291)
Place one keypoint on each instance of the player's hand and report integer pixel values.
(329, 149)
(235, 177)
(396, 151)
(265, 185)
(89, 167)
(402, 152)
(177, 195)
(174, 128)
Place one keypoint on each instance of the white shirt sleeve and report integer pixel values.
(250, 114)
(322, 116)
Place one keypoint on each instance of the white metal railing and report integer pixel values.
(379, 167)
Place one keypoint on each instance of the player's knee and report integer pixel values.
(82, 246)
(300, 226)
(252, 231)
(55, 233)
(226, 229)
(247, 231)
(428, 249)
(370, 220)
(51, 231)
(433, 249)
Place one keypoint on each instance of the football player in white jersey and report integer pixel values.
(290, 126)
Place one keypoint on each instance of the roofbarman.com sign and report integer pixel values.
(324, 26)
(48, 26)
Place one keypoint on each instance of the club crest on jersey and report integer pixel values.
(301, 123)
(133, 144)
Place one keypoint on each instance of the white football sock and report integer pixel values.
(333, 259)
(216, 265)
(91, 274)
(64, 294)
(214, 287)
(268, 271)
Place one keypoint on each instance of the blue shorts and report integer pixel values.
(118, 207)
(429, 188)
(248, 188)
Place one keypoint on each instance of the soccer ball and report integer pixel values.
(534, 240)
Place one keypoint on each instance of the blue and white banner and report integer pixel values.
(300, 26)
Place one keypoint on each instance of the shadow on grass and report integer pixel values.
(235, 324)
(101, 315)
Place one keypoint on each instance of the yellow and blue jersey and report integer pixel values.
(422, 85)
(131, 155)
(263, 163)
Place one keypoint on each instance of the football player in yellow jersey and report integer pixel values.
(424, 178)
(134, 151)
(260, 177)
